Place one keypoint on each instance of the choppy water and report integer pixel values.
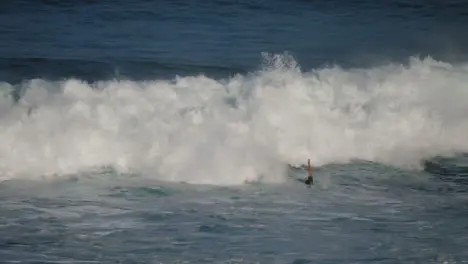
(174, 132)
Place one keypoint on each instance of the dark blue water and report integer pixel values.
(143, 39)
(174, 131)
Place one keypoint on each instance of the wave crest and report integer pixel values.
(229, 131)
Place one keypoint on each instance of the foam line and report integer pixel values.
(203, 130)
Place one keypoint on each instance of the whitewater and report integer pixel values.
(244, 128)
(177, 132)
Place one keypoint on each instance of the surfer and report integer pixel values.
(309, 180)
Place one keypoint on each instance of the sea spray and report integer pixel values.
(245, 128)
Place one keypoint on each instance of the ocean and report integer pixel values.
(179, 131)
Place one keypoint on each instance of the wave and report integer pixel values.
(244, 128)
(16, 70)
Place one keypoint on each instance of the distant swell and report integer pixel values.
(15, 70)
(227, 131)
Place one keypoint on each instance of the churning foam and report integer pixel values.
(203, 130)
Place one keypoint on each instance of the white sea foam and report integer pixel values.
(203, 130)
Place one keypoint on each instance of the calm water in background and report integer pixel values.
(162, 131)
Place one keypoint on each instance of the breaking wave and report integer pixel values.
(244, 128)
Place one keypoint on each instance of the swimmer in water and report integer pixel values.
(309, 179)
